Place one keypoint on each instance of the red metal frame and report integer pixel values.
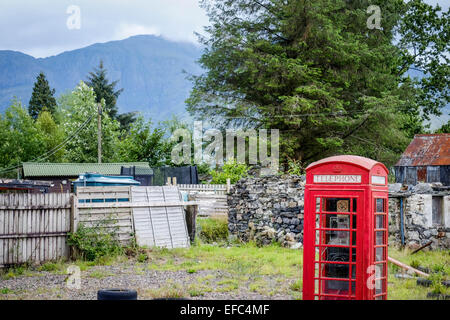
(335, 264)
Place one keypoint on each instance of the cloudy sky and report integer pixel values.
(40, 27)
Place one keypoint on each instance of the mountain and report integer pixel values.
(149, 68)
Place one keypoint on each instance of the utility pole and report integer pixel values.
(99, 133)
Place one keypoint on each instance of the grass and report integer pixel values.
(438, 264)
(269, 271)
(245, 259)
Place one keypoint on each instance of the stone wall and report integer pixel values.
(267, 209)
(419, 228)
(270, 209)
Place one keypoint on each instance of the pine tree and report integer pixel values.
(104, 90)
(42, 97)
(315, 71)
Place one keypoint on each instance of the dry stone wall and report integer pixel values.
(270, 209)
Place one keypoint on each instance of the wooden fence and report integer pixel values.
(105, 207)
(33, 227)
(211, 198)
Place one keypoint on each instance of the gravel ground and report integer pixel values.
(40, 285)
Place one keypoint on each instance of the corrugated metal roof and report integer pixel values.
(427, 150)
(33, 169)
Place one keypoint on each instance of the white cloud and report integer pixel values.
(125, 30)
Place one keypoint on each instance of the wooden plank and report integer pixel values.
(135, 204)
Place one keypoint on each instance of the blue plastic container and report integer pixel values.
(96, 179)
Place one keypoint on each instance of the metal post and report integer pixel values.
(402, 232)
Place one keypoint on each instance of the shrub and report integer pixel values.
(230, 170)
(213, 229)
(95, 242)
(295, 167)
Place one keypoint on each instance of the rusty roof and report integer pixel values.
(427, 150)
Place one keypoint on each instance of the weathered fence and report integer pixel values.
(211, 198)
(154, 215)
(33, 227)
(220, 189)
(105, 207)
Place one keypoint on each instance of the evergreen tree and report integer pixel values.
(103, 89)
(42, 97)
(314, 70)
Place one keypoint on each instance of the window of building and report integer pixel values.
(437, 210)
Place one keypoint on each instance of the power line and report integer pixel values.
(54, 150)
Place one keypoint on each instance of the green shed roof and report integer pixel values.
(33, 169)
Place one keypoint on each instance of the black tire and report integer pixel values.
(116, 294)
(438, 296)
(424, 282)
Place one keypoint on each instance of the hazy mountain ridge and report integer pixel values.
(149, 68)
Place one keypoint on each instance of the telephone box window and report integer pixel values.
(379, 203)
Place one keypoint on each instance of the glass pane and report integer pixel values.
(353, 271)
(337, 221)
(379, 286)
(379, 254)
(355, 208)
(317, 204)
(353, 287)
(379, 235)
(337, 237)
(353, 238)
(379, 221)
(354, 222)
(336, 254)
(379, 270)
(335, 287)
(379, 205)
(331, 270)
(337, 204)
(354, 254)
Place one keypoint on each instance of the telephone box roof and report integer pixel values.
(365, 163)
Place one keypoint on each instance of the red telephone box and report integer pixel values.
(345, 229)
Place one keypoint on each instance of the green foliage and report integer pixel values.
(444, 129)
(144, 143)
(213, 229)
(78, 109)
(42, 97)
(98, 81)
(295, 167)
(95, 242)
(21, 140)
(230, 170)
(52, 136)
(315, 71)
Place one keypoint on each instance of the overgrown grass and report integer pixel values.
(268, 271)
(436, 263)
(243, 259)
(213, 229)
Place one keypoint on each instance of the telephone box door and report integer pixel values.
(338, 217)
